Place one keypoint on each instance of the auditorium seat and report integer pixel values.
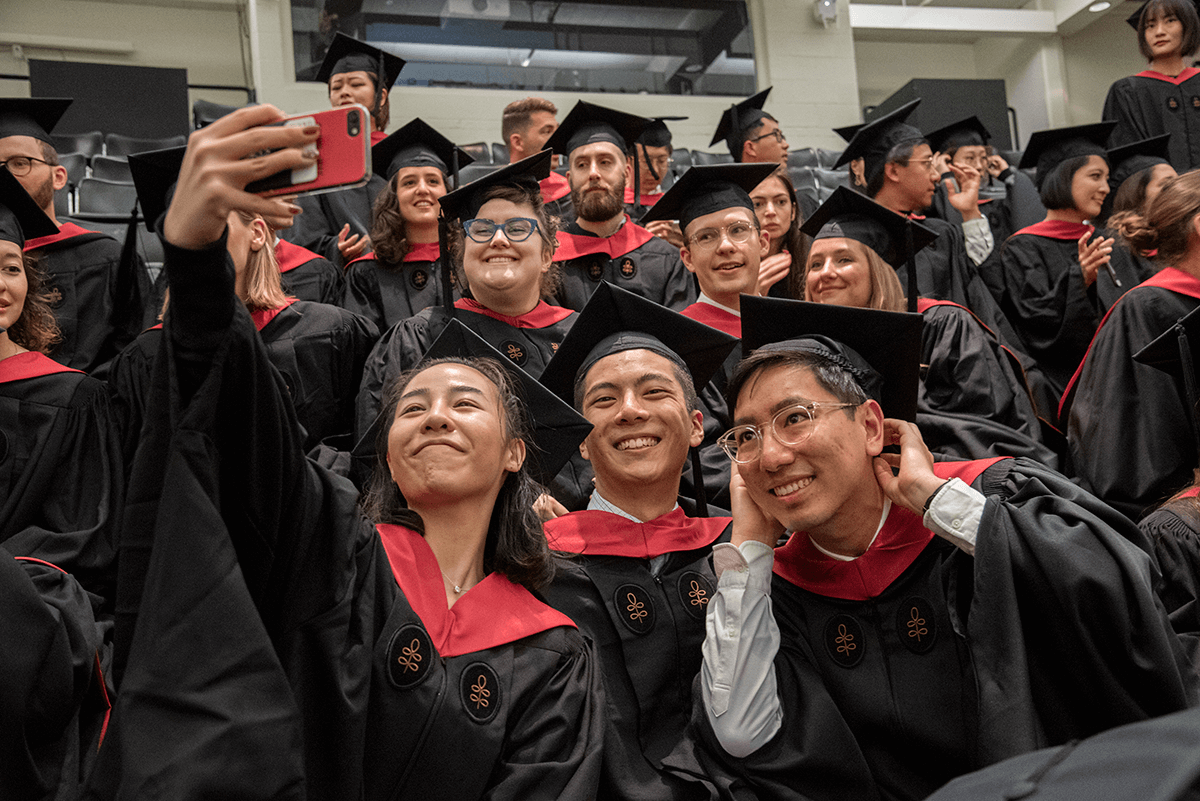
(805, 181)
(89, 144)
(473, 172)
(827, 158)
(804, 157)
(682, 159)
(118, 145)
(99, 197)
(480, 151)
(499, 153)
(701, 159)
(829, 180)
(111, 168)
(76, 166)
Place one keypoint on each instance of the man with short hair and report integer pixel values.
(918, 625)
(603, 243)
(751, 134)
(526, 126)
(97, 302)
(640, 574)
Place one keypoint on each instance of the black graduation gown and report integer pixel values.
(397, 697)
(556, 195)
(324, 216)
(61, 484)
(318, 349)
(1150, 104)
(308, 276)
(387, 293)
(632, 258)
(1128, 426)
(98, 309)
(647, 628)
(1173, 531)
(973, 402)
(922, 663)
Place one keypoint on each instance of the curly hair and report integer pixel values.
(1169, 219)
(516, 544)
(547, 230)
(389, 235)
(36, 329)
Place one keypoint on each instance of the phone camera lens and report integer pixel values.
(352, 123)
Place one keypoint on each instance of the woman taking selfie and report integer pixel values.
(420, 663)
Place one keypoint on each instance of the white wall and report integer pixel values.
(884, 67)
(1095, 57)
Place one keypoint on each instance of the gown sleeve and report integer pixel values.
(363, 295)
(1174, 533)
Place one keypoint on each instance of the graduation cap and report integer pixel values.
(737, 119)
(557, 427)
(155, 174)
(31, 116)
(874, 140)
(708, 188)
(1128, 160)
(963, 133)
(1047, 149)
(881, 349)
(588, 123)
(347, 54)
(464, 203)
(20, 217)
(1174, 352)
(417, 144)
(847, 132)
(852, 215)
(616, 320)
(657, 134)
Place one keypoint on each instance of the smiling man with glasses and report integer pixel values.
(917, 624)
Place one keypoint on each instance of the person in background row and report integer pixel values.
(306, 275)
(98, 302)
(526, 127)
(337, 225)
(1159, 99)
(652, 156)
(603, 243)
(1139, 172)
(404, 273)
(781, 274)
(751, 134)
(1125, 421)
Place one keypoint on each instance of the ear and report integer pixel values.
(516, 455)
(583, 448)
(697, 435)
(259, 235)
(60, 177)
(749, 151)
(383, 96)
(870, 415)
(764, 240)
(686, 255)
(891, 172)
(514, 143)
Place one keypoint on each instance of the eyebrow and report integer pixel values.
(457, 388)
(645, 378)
(778, 407)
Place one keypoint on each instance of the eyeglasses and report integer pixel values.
(791, 426)
(660, 162)
(20, 166)
(926, 163)
(709, 238)
(516, 229)
(778, 134)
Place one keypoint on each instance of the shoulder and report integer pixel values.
(564, 641)
(658, 245)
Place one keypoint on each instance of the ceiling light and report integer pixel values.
(1103, 5)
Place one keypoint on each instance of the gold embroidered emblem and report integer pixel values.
(916, 625)
(845, 640)
(514, 352)
(636, 608)
(410, 656)
(54, 296)
(554, 347)
(479, 692)
(698, 596)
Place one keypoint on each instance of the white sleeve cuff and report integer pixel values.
(978, 235)
(955, 513)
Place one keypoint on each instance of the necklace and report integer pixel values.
(457, 587)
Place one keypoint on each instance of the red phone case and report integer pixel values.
(343, 158)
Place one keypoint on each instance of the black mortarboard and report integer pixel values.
(588, 123)
(1135, 18)
(708, 188)
(20, 217)
(557, 427)
(853, 215)
(1175, 351)
(1128, 160)
(737, 119)
(875, 139)
(463, 203)
(31, 116)
(417, 144)
(657, 134)
(155, 173)
(616, 320)
(881, 349)
(347, 54)
(1047, 149)
(847, 132)
(962, 133)
(1151, 760)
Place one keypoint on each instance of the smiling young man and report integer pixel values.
(916, 625)
(751, 134)
(640, 575)
(98, 308)
(603, 243)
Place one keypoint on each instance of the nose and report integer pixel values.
(773, 453)
(499, 239)
(631, 407)
(437, 418)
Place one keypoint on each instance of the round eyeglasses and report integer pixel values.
(516, 229)
(20, 166)
(709, 238)
(791, 425)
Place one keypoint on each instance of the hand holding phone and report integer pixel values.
(343, 150)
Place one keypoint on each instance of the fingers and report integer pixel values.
(342, 234)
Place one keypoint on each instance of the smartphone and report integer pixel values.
(343, 154)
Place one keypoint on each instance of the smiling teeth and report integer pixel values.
(640, 442)
(788, 489)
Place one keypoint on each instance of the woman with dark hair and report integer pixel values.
(1140, 171)
(1126, 422)
(1058, 273)
(60, 500)
(408, 656)
(403, 275)
(1159, 99)
(781, 271)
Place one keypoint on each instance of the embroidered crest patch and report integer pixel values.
(409, 656)
(695, 591)
(419, 278)
(595, 269)
(635, 608)
(479, 688)
(1172, 103)
(844, 640)
(916, 625)
(514, 351)
(628, 268)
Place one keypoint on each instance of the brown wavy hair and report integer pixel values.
(389, 235)
(794, 242)
(36, 329)
(1169, 220)
(516, 544)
